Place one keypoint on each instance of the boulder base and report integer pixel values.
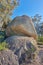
(7, 57)
(22, 46)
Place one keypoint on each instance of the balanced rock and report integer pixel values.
(22, 26)
(7, 57)
(21, 45)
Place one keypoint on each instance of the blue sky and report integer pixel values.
(29, 7)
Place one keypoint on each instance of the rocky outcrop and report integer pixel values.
(7, 57)
(22, 46)
(21, 26)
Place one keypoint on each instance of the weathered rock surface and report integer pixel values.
(7, 57)
(38, 60)
(22, 46)
(41, 56)
(21, 25)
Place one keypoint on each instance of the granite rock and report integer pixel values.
(22, 46)
(21, 26)
(7, 57)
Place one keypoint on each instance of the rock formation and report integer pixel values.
(7, 57)
(22, 37)
(22, 26)
(21, 45)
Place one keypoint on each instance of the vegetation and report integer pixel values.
(6, 7)
(3, 46)
(2, 36)
(37, 20)
(40, 40)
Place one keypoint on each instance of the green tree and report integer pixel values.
(36, 18)
(6, 7)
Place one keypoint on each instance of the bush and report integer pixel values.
(2, 36)
(3, 46)
(40, 40)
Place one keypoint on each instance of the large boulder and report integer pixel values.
(7, 57)
(22, 46)
(21, 25)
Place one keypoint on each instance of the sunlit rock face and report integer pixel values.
(7, 57)
(21, 26)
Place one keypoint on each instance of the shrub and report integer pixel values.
(40, 39)
(3, 46)
(2, 36)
